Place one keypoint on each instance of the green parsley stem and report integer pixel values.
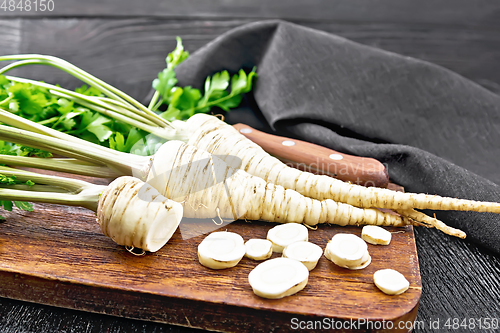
(69, 184)
(121, 163)
(8, 99)
(144, 125)
(68, 165)
(157, 105)
(11, 119)
(205, 104)
(34, 188)
(94, 103)
(48, 121)
(111, 103)
(154, 100)
(78, 192)
(63, 65)
(87, 199)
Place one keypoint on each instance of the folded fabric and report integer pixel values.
(436, 131)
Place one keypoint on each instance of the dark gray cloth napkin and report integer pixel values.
(436, 131)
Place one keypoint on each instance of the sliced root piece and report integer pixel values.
(305, 252)
(258, 249)
(376, 235)
(221, 250)
(346, 250)
(365, 261)
(286, 234)
(278, 277)
(432, 222)
(390, 281)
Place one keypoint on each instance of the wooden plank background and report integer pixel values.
(125, 42)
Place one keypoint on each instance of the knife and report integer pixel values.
(318, 159)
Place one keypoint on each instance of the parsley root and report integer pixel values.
(129, 211)
(205, 185)
(209, 133)
(209, 188)
(213, 135)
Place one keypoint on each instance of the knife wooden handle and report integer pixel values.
(319, 160)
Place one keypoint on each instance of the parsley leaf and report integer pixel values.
(221, 90)
(24, 205)
(185, 102)
(164, 83)
(4, 81)
(9, 180)
(177, 56)
(118, 141)
(28, 151)
(27, 98)
(217, 93)
(8, 205)
(88, 91)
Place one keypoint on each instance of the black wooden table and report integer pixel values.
(125, 44)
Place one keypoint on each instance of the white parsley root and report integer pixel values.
(258, 249)
(376, 235)
(278, 277)
(209, 188)
(205, 185)
(95, 160)
(221, 250)
(305, 252)
(135, 214)
(431, 222)
(108, 161)
(390, 281)
(348, 251)
(213, 135)
(129, 211)
(283, 235)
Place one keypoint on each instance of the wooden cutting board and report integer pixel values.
(57, 255)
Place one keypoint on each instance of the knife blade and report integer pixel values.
(317, 159)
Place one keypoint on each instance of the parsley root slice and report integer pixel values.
(305, 252)
(283, 235)
(376, 235)
(221, 250)
(278, 278)
(132, 213)
(258, 249)
(348, 251)
(390, 281)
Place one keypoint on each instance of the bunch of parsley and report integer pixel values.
(170, 101)
(40, 103)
